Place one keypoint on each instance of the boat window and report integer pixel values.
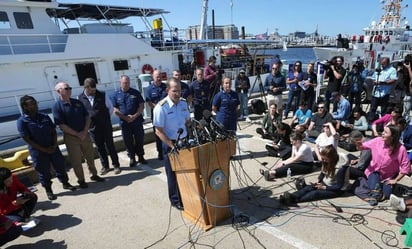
(23, 20)
(4, 20)
(120, 65)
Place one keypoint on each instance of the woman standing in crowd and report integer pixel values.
(330, 183)
(225, 105)
(390, 163)
(301, 161)
(15, 208)
(294, 77)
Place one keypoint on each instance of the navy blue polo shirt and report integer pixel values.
(127, 102)
(155, 93)
(226, 103)
(73, 115)
(39, 129)
(185, 90)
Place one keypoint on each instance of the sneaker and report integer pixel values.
(142, 160)
(104, 171)
(132, 163)
(67, 185)
(96, 178)
(397, 203)
(83, 184)
(51, 196)
(248, 120)
(117, 170)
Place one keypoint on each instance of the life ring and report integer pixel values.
(147, 68)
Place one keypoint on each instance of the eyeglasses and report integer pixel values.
(321, 107)
(67, 88)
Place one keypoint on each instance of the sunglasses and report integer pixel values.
(67, 88)
(321, 107)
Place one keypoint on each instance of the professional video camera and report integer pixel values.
(220, 72)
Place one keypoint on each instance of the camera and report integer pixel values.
(326, 64)
(220, 71)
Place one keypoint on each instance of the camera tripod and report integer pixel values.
(261, 89)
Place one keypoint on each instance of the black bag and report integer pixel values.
(258, 107)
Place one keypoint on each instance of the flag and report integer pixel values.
(263, 36)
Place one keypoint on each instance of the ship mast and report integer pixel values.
(392, 16)
(203, 21)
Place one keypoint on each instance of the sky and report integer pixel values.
(332, 17)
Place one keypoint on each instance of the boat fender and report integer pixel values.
(147, 68)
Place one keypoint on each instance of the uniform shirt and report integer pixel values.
(73, 115)
(185, 90)
(171, 117)
(37, 129)
(278, 81)
(200, 92)
(388, 165)
(128, 103)
(155, 93)
(226, 103)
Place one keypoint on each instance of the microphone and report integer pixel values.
(179, 133)
(203, 126)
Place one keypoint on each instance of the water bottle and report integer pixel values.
(289, 173)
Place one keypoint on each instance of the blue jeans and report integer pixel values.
(310, 193)
(292, 95)
(374, 182)
(243, 104)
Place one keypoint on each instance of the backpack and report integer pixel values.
(258, 107)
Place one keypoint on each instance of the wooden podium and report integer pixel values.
(203, 177)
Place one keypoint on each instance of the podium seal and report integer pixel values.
(217, 179)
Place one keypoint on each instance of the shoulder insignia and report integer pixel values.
(163, 101)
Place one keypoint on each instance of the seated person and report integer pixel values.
(390, 118)
(281, 148)
(331, 182)
(358, 164)
(269, 123)
(15, 208)
(401, 204)
(342, 114)
(302, 117)
(300, 162)
(406, 135)
(9, 230)
(358, 121)
(320, 118)
(389, 164)
(327, 137)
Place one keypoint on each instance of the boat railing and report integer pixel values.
(12, 44)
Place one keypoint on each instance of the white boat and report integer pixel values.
(390, 37)
(36, 52)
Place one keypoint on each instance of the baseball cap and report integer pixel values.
(333, 96)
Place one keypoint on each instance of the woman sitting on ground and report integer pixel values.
(301, 161)
(281, 147)
(9, 230)
(327, 137)
(390, 163)
(390, 118)
(269, 123)
(15, 208)
(330, 184)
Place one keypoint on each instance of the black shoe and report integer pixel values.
(132, 163)
(83, 184)
(96, 178)
(160, 157)
(104, 171)
(67, 185)
(51, 196)
(142, 160)
(178, 206)
(260, 131)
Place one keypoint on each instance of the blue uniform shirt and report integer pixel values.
(185, 90)
(200, 93)
(171, 117)
(73, 115)
(226, 104)
(37, 129)
(127, 102)
(155, 93)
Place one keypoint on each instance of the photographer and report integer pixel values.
(383, 78)
(334, 74)
(275, 83)
(405, 79)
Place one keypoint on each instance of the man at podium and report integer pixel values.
(170, 119)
